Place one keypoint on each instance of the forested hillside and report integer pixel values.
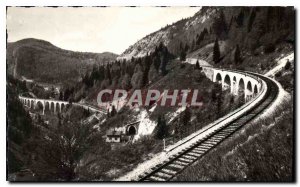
(18, 125)
(41, 61)
(247, 30)
(135, 73)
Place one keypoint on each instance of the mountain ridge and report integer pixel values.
(249, 27)
(49, 44)
(42, 61)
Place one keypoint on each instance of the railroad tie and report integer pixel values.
(217, 137)
(209, 144)
(176, 166)
(185, 160)
(162, 175)
(213, 140)
(189, 157)
(193, 154)
(168, 171)
(222, 134)
(202, 147)
(198, 151)
(181, 163)
(155, 178)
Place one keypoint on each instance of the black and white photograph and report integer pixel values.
(150, 94)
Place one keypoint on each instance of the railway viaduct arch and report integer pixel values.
(237, 82)
(54, 105)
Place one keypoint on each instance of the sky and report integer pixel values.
(91, 29)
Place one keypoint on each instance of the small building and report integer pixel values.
(114, 136)
(117, 135)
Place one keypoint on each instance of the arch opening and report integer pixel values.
(62, 107)
(241, 91)
(241, 87)
(47, 109)
(255, 90)
(39, 106)
(249, 87)
(227, 83)
(234, 79)
(219, 78)
(131, 130)
(32, 104)
(57, 108)
(52, 106)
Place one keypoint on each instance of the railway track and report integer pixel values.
(177, 163)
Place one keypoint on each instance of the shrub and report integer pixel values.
(278, 74)
(287, 65)
(270, 48)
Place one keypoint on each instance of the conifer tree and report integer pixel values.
(182, 50)
(61, 97)
(108, 75)
(146, 71)
(182, 55)
(162, 128)
(251, 19)
(216, 52)
(164, 61)
(237, 55)
(197, 65)
(240, 18)
(186, 117)
(287, 65)
(113, 111)
(156, 62)
(219, 105)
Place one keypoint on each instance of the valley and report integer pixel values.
(239, 59)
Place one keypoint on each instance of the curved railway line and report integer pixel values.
(175, 164)
(178, 162)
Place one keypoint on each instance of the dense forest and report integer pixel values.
(136, 73)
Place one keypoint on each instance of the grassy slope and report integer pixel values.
(286, 77)
(107, 161)
(254, 154)
(263, 151)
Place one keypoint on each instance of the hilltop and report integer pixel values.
(40, 60)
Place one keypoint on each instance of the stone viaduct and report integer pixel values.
(238, 82)
(55, 104)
